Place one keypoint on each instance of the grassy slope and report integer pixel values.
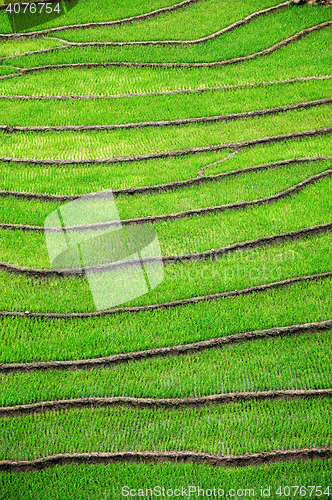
(63, 483)
(193, 22)
(310, 256)
(265, 425)
(134, 142)
(219, 230)
(16, 47)
(300, 59)
(275, 364)
(27, 339)
(249, 187)
(89, 178)
(197, 234)
(6, 69)
(180, 24)
(158, 108)
(92, 11)
(238, 43)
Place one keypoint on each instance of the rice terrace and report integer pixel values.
(165, 249)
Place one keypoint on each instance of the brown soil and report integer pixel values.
(172, 154)
(116, 359)
(168, 403)
(142, 17)
(171, 456)
(273, 48)
(187, 213)
(211, 254)
(166, 92)
(187, 121)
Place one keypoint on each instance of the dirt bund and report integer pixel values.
(226, 62)
(168, 403)
(116, 359)
(166, 92)
(169, 123)
(172, 154)
(141, 17)
(173, 43)
(170, 186)
(187, 213)
(171, 456)
(191, 257)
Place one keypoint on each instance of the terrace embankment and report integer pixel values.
(167, 351)
(66, 404)
(192, 257)
(166, 92)
(187, 213)
(173, 456)
(225, 62)
(187, 121)
(140, 17)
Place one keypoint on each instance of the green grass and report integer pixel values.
(269, 153)
(158, 108)
(133, 142)
(251, 186)
(310, 207)
(195, 21)
(45, 339)
(66, 482)
(7, 70)
(196, 234)
(285, 362)
(182, 280)
(182, 24)
(303, 58)
(82, 179)
(265, 425)
(299, 362)
(238, 43)
(92, 11)
(16, 47)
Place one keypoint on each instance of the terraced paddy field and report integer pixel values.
(210, 123)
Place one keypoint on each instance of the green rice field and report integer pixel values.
(205, 126)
